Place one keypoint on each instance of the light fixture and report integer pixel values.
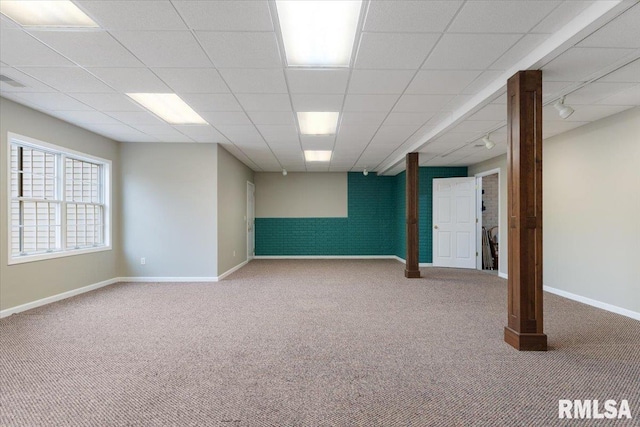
(365, 172)
(169, 107)
(318, 122)
(317, 155)
(56, 13)
(318, 33)
(563, 110)
(488, 142)
(284, 172)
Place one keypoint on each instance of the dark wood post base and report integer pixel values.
(525, 342)
(412, 274)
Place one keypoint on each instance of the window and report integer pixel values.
(58, 201)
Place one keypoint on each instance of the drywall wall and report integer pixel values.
(591, 211)
(301, 195)
(233, 176)
(28, 282)
(500, 163)
(169, 204)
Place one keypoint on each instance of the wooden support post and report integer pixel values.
(412, 269)
(524, 329)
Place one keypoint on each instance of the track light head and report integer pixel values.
(365, 172)
(488, 142)
(564, 111)
(284, 172)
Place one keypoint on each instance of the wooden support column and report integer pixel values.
(412, 269)
(524, 176)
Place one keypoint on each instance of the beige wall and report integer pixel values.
(169, 205)
(27, 282)
(301, 195)
(500, 163)
(232, 210)
(591, 208)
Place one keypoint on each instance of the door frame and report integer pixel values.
(479, 177)
(251, 188)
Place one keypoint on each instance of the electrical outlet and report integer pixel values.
(143, 261)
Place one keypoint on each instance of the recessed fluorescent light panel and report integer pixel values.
(318, 122)
(317, 156)
(318, 33)
(169, 107)
(56, 13)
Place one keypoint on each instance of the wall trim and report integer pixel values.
(58, 297)
(232, 270)
(501, 274)
(422, 264)
(593, 302)
(167, 279)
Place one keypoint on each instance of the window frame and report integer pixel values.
(64, 153)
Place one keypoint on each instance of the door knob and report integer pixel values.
(435, 226)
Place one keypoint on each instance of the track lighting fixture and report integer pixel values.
(284, 172)
(563, 110)
(365, 172)
(488, 142)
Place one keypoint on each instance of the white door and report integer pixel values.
(454, 222)
(251, 236)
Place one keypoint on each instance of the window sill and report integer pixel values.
(54, 255)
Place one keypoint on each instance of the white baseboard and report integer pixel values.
(503, 275)
(422, 264)
(592, 302)
(167, 279)
(58, 297)
(232, 270)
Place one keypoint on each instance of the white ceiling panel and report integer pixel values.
(17, 48)
(86, 117)
(561, 15)
(201, 133)
(441, 82)
(349, 135)
(578, 64)
(108, 101)
(379, 81)
(136, 117)
(271, 117)
(407, 119)
(421, 103)
(174, 49)
(354, 118)
(469, 51)
(410, 16)
(226, 118)
(629, 97)
(482, 81)
(628, 73)
(241, 50)
(30, 84)
(491, 112)
(70, 80)
(209, 102)
(131, 80)
(246, 134)
(140, 15)
(394, 50)
(280, 134)
(255, 80)
(192, 80)
(360, 103)
(501, 16)
(477, 125)
(53, 101)
(239, 154)
(624, 31)
(317, 81)
(594, 92)
(551, 89)
(265, 102)
(89, 48)
(229, 15)
(522, 48)
(392, 135)
(310, 102)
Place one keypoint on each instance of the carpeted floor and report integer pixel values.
(309, 343)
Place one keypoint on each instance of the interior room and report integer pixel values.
(358, 212)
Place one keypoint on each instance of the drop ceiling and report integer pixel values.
(426, 76)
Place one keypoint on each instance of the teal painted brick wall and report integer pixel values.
(375, 225)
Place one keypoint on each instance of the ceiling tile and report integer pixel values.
(354, 118)
(145, 15)
(522, 48)
(441, 82)
(392, 136)
(628, 73)
(226, 118)
(578, 64)
(564, 13)
(553, 89)
(230, 15)
(271, 117)
(70, 80)
(626, 97)
(264, 102)
(177, 49)
(192, 80)
(164, 133)
(355, 135)
(91, 117)
(280, 134)
(108, 101)
(131, 80)
(136, 118)
(421, 103)
(410, 16)
(469, 51)
(623, 31)
(316, 102)
(241, 50)
(317, 81)
(379, 81)
(480, 126)
(246, 134)
(407, 119)
(500, 16)
(30, 84)
(17, 48)
(594, 92)
(204, 102)
(494, 112)
(364, 103)
(255, 80)
(201, 133)
(394, 50)
(485, 79)
(89, 48)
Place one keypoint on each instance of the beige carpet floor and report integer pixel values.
(309, 343)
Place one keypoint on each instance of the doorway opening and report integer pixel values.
(251, 233)
(488, 225)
